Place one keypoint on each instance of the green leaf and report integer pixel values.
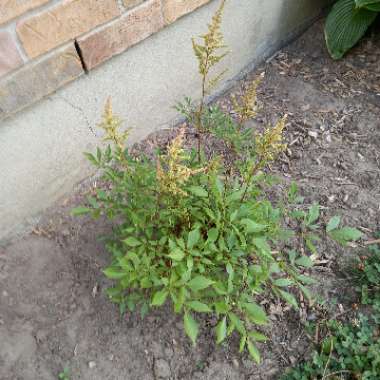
(253, 227)
(221, 330)
(243, 341)
(253, 351)
(198, 191)
(191, 327)
(345, 25)
(159, 298)
(177, 254)
(80, 211)
(256, 313)
(304, 261)
(199, 283)
(263, 246)
(238, 324)
(212, 235)
(289, 298)
(132, 241)
(283, 282)
(258, 337)
(345, 235)
(333, 223)
(193, 238)
(114, 273)
(199, 307)
(313, 214)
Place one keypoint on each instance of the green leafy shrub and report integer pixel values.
(196, 227)
(347, 23)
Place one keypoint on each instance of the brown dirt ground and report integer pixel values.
(53, 310)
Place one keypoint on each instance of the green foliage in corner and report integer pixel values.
(196, 228)
(351, 351)
(347, 23)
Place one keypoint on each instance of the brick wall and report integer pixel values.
(45, 44)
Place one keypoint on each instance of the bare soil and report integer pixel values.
(53, 309)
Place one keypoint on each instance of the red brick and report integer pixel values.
(10, 58)
(10, 9)
(174, 9)
(32, 82)
(64, 22)
(121, 34)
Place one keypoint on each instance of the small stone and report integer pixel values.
(91, 364)
(313, 134)
(235, 363)
(162, 369)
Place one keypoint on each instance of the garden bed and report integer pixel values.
(53, 310)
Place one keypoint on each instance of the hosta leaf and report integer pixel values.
(199, 283)
(256, 313)
(253, 351)
(366, 3)
(333, 223)
(199, 307)
(345, 25)
(191, 327)
(221, 330)
(159, 298)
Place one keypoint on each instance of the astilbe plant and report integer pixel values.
(197, 229)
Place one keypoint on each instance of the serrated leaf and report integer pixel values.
(256, 313)
(132, 242)
(159, 298)
(304, 261)
(333, 223)
(253, 227)
(177, 254)
(345, 235)
(199, 283)
(80, 211)
(282, 282)
(193, 238)
(243, 341)
(237, 323)
(199, 307)
(221, 330)
(198, 191)
(289, 298)
(191, 327)
(313, 214)
(253, 351)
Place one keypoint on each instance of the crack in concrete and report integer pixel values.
(81, 112)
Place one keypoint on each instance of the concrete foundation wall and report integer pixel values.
(41, 148)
